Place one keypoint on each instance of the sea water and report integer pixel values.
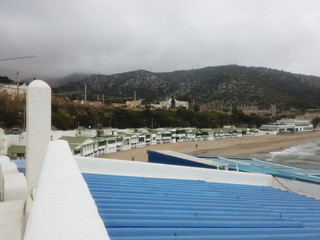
(305, 155)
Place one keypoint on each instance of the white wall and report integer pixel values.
(17, 139)
(141, 169)
(58, 134)
(86, 133)
(63, 208)
(13, 191)
(11, 223)
(38, 129)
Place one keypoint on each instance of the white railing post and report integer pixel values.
(38, 129)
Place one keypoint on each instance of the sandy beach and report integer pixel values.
(228, 146)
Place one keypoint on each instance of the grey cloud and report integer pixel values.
(105, 36)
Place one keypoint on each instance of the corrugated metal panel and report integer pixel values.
(135, 208)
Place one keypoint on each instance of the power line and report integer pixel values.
(15, 58)
(25, 73)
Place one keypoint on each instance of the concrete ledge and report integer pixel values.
(15, 187)
(6, 167)
(11, 220)
(4, 159)
(300, 187)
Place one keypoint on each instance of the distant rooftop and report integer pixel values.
(74, 139)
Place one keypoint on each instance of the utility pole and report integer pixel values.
(85, 93)
(18, 84)
(134, 99)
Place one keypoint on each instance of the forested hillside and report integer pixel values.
(230, 84)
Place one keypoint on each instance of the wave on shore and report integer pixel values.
(306, 155)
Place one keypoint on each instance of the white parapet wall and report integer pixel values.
(142, 169)
(6, 167)
(63, 207)
(11, 220)
(38, 129)
(13, 189)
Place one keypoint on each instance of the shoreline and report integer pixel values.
(244, 146)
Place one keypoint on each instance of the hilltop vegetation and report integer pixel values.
(232, 85)
(67, 115)
(11, 110)
(5, 80)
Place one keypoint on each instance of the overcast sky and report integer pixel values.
(104, 36)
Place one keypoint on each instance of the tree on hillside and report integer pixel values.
(316, 122)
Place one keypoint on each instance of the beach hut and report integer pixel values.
(126, 144)
(111, 145)
(15, 152)
(191, 135)
(141, 140)
(180, 135)
(134, 140)
(83, 146)
(202, 135)
(166, 137)
(101, 146)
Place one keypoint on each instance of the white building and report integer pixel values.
(111, 145)
(134, 103)
(86, 133)
(285, 125)
(13, 88)
(171, 103)
(126, 142)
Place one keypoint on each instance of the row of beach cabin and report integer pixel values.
(99, 142)
(91, 142)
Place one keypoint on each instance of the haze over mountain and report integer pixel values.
(230, 84)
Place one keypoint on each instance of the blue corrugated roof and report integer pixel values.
(21, 165)
(241, 164)
(135, 208)
(265, 167)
